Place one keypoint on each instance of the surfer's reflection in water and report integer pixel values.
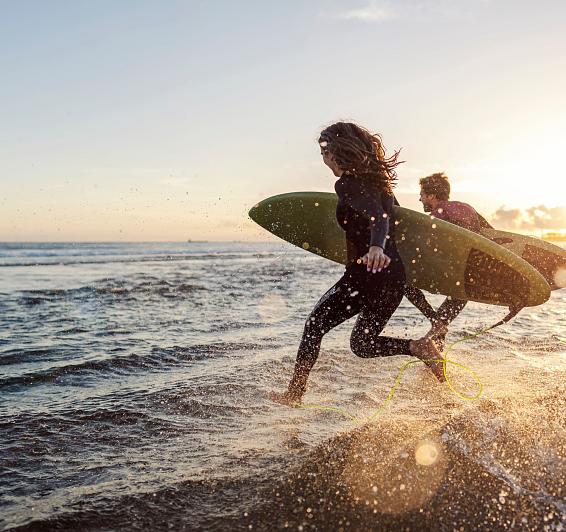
(373, 283)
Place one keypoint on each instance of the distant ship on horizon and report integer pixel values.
(197, 241)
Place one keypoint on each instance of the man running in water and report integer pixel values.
(435, 191)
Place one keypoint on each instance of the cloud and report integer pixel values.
(544, 218)
(373, 12)
(508, 218)
(535, 217)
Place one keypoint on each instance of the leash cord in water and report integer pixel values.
(445, 361)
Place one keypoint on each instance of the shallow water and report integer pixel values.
(133, 378)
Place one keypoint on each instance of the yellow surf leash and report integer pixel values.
(445, 361)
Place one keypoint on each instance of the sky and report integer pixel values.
(168, 120)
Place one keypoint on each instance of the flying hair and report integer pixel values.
(360, 152)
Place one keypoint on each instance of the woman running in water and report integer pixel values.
(372, 285)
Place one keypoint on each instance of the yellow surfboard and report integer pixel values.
(438, 256)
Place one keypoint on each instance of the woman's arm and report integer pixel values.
(366, 201)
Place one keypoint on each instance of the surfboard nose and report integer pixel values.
(259, 214)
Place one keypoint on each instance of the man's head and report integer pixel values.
(434, 188)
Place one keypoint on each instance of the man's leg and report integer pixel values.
(418, 299)
(447, 312)
(449, 309)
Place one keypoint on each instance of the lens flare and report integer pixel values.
(426, 454)
(380, 472)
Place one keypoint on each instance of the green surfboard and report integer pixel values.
(438, 256)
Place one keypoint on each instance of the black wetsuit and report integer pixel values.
(366, 215)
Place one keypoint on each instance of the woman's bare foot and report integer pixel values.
(425, 350)
(284, 398)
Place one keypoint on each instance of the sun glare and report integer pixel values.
(531, 172)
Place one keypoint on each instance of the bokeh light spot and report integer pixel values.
(426, 454)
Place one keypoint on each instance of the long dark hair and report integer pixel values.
(360, 152)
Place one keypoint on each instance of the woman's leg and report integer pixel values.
(338, 304)
(365, 340)
(373, 319)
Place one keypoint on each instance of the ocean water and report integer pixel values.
(133, 381)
